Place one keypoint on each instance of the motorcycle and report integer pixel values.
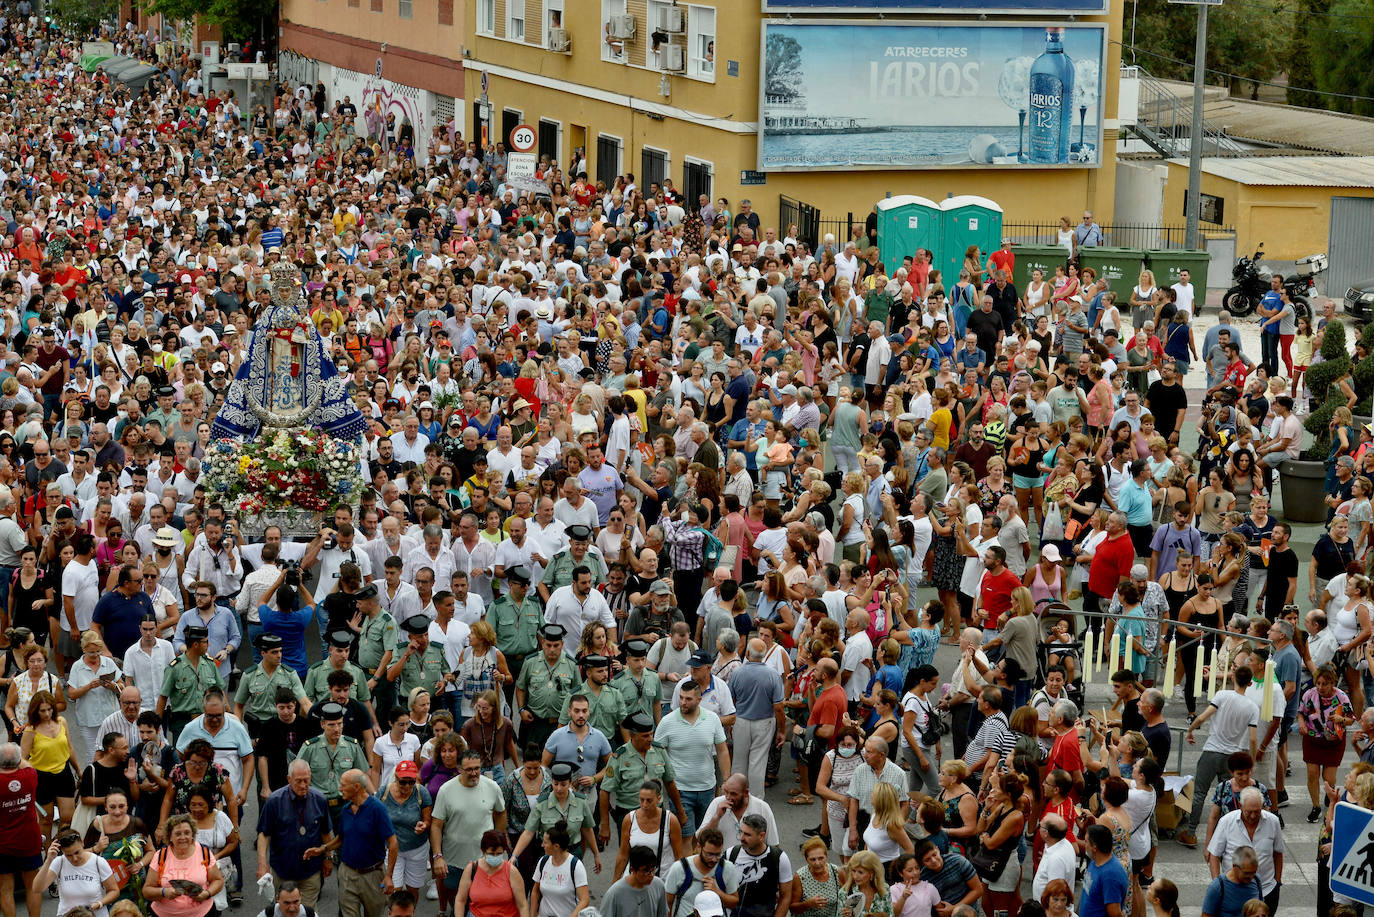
(1251, 281)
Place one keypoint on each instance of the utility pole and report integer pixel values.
(1195, 139)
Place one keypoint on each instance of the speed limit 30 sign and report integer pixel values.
(523, 138)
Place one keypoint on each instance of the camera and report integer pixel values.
(291, 572)
(330, 542)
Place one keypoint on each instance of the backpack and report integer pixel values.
(711, 549)
(688, 877)
(771, 868)
(161, 859)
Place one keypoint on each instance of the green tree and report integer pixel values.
(80, 17)
(1165, 34)
(237, 19)
(1346, 42)
(1304, 47)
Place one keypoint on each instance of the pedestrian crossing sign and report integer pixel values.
(1352, 853)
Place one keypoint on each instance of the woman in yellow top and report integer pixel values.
(47, 747)
(941, 419)
(1303, 340)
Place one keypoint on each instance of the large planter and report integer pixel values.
(1303, 487)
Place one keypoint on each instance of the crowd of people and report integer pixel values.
(669, 519)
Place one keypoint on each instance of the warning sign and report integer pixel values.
(1352, 853)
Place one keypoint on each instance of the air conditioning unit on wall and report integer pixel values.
(622, 27)
(559, 41)
(672, 19)
(674, 58)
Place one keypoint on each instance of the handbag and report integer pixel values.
(991, 863)
(231, 874)
(83, 817)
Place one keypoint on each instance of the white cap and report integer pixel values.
(707, 904)
(219, 368)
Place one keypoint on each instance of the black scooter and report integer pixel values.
(1250, 282)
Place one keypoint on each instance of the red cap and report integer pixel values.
(407, 769)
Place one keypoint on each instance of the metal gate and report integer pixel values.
(1350, 245)
(806, 218)
(696, 181)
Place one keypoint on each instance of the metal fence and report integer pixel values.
(1119, 235)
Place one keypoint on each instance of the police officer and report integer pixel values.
(376, 642)
(560, 804)
(636, 761)
(608, 707)
(559, 572)
(186, 680)
(422, 663)
(544, 686)
(330, 755)
(642, 689)
(317, 677)
(255, 701)
(516, 617)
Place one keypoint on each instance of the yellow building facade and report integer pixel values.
(584, 79)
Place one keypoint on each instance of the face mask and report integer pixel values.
(494, 859)
(157, 348)
(847, 752)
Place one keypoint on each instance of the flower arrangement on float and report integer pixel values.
(297, 472)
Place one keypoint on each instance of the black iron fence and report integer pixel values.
(1119, 235)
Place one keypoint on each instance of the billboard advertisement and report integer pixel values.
(892, 96)
(998, 7)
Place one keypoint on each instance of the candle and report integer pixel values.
(1199, 662)
(1130, 651)
(1116, 652)
(1102, 645)
(1169, 668)
(1088, 655)
(1267, 704)
(1216, 673)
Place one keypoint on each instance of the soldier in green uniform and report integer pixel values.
(185, 682)
(560, 804)
(330, 755)
(559, 572)
(544, 686)
(317, 678)
(422, 663)
(255, 701)
(377, 642)
(631, 764)
(642, 689)
(607, 705)
(516, 617)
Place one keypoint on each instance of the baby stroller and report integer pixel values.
(1051, 613)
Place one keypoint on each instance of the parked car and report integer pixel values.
(1359, 299)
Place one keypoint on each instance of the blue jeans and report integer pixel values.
(496, 772)
(322, 619)
(51, 405)
(253, 631)
(697, 804)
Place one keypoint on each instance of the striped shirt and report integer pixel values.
(994, 736)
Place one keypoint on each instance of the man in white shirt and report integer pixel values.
(431, 554)
(1250, 826)
(734, 803)
(577, 604)
(1060, 860)
(857, 662)
(1184, 291)
(847, 264)
(145, 663)
(399, 599)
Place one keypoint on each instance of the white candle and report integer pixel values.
(1115, 662)
(1130, 651)
(1267, 704)
(1200, 662)
(1088, 656)
(1216, 673)
(1169, 664)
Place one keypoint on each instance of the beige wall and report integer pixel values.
(1292, 221)
(422, 32)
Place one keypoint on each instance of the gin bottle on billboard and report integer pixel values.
(1051, 102)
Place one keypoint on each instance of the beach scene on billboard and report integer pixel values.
(839, 95)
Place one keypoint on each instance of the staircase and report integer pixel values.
(1164, 120)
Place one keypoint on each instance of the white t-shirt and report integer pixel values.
(81, 583)
(1185, 297)
(558, 885)
(81, 886)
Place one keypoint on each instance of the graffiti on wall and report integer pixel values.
(378, 100)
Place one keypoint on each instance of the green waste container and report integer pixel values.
(1167, 262)
(1120, 267)
(1030, 257)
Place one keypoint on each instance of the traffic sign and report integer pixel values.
(486, 82)
(1352, 853)
(523, 138)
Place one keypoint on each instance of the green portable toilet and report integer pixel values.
(967, 220)
(905, 223)
(1167, 262)
(1120, 267)
(1030, 257)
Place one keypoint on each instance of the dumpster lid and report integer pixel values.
(969, 200)
(901, 200)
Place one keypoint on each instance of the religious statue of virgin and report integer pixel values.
(288, 379)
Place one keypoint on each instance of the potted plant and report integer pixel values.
(1302, 482)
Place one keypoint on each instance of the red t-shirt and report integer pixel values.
(1111, 564)
(996, 590)
(1004, 261)
(19, 813)
(1065, 754)
(829, 708)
